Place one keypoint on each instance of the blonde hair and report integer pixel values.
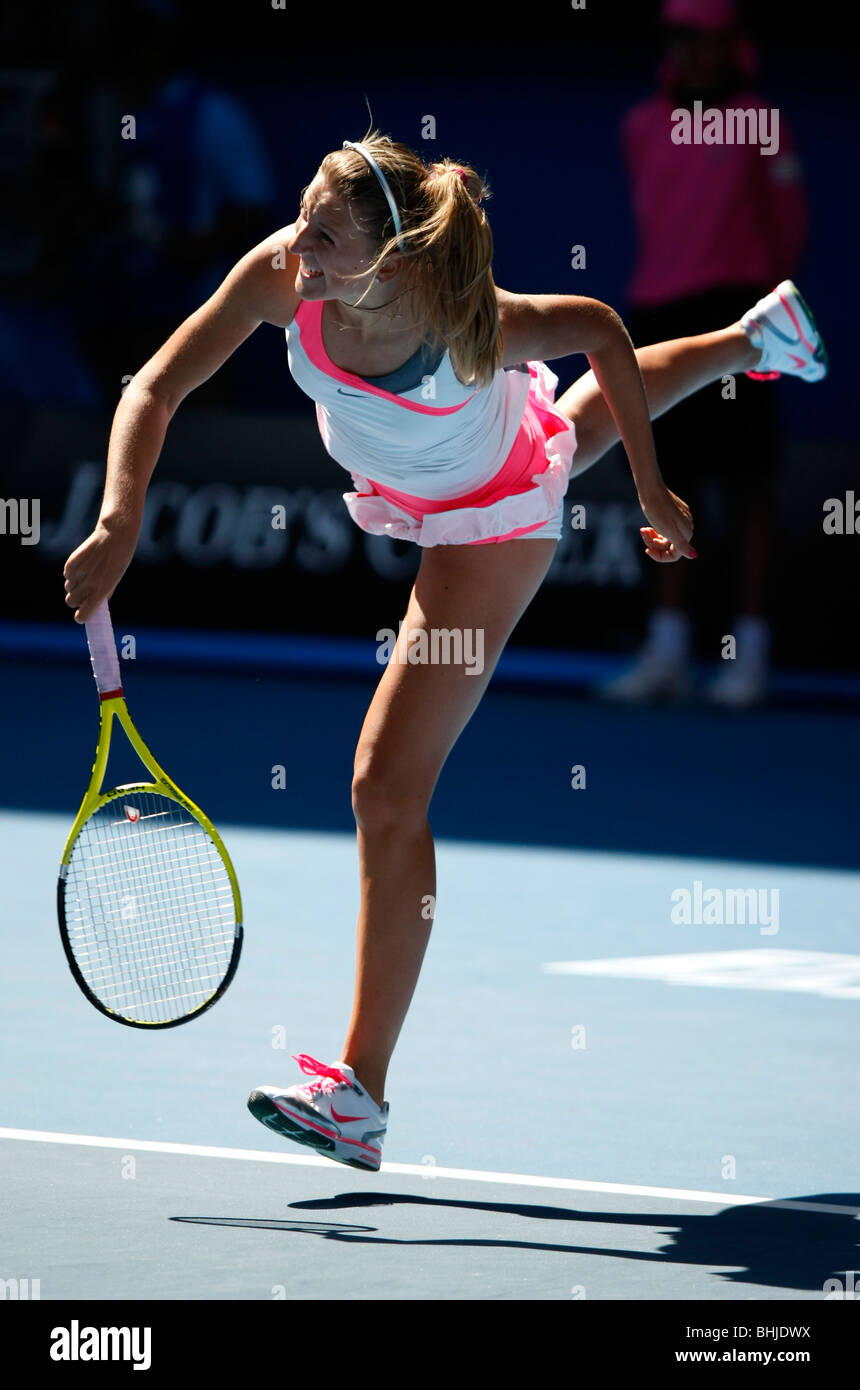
(446, 242)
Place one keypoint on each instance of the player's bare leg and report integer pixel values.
(414, 720)
(671, 371)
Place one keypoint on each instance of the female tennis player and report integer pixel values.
(431, 390)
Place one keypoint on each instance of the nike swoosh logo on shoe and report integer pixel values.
(800, 338)
(799, 360)
(345, 1119)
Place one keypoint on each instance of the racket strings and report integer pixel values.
(150, 913)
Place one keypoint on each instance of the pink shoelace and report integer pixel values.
(328, 1078)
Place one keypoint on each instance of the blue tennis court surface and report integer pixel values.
(638, 1011)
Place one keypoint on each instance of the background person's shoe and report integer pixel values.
(743, 681)
(654, 676)
(738, 688)
(662, 669)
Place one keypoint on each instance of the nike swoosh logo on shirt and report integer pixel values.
(359, 394)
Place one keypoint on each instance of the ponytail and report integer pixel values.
(445, 240)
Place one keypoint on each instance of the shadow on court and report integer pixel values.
(774, 785)
(769, 1245)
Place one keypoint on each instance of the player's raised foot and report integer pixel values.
(333, 1114)
(782, 325)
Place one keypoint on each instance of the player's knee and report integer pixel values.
(387, 798)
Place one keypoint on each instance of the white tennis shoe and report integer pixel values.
(654, 676)
(332, 1114)
(783, 327)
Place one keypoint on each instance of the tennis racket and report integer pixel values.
(147, 898)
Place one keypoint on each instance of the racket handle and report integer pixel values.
(102, 645)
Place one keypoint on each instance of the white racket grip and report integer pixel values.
(102, 645)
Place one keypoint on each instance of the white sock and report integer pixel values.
(669, 633)
(753, 638)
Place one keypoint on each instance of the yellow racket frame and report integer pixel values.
(114, 706)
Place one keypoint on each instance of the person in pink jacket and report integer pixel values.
(721, 217)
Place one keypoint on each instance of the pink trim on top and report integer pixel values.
(308, 316)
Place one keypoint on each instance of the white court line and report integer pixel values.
(824, 973)
(677, 1194)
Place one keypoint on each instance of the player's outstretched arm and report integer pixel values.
(545, 327)
(259, 289)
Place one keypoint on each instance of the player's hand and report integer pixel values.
(668, 536)
(93, 571)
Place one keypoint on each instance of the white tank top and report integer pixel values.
(437, 439)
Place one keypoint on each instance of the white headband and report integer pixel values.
(354, 145)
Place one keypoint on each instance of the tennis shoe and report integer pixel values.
(333, 1114)
(654, 677)
(739, 687)
(744, 681)
(782, 325)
